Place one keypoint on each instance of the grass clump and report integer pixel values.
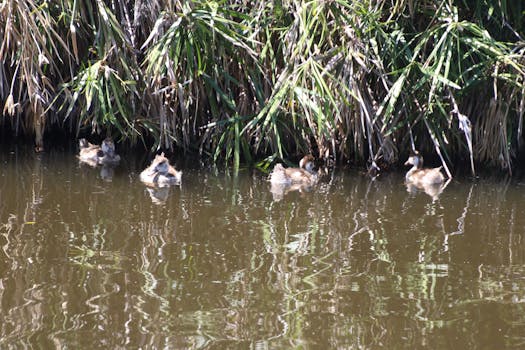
(359, 81)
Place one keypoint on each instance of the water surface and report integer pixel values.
(91, 259)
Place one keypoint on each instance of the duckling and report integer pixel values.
(160, 173)
(109, 156)
(304, 175)
(89, 153)
(419, 176)
(98, 155)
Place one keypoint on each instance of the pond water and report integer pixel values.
(91, 259)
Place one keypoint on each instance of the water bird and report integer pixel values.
(98, 155)
(160, 173)
(304, 175)
(419, 176)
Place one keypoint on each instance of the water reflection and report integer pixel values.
(106, 172)
(158, 195)
(433, 190)
(279, 190)
(352, 263)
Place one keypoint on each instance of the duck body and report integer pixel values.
(98, 155)
(160, 173)
(304, 175)
(417, 175)
(89, 153)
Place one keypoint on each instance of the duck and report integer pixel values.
(98, 155)
(160, 173)
(419, 176)
(304, 175)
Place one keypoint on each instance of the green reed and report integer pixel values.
(238, 81)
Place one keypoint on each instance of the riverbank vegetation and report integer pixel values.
(241, 81)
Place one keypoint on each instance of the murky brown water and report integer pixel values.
(89, 263)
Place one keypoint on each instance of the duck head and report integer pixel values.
(307, 163)
(83, 143)
(108, 147)
(160, 164)
(416, 160)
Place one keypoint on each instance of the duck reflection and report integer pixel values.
(279, 190)
(433, 190)
(107, 172)
(158, 195)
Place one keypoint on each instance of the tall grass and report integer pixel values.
(240, 81)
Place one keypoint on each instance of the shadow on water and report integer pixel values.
(221, 262)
